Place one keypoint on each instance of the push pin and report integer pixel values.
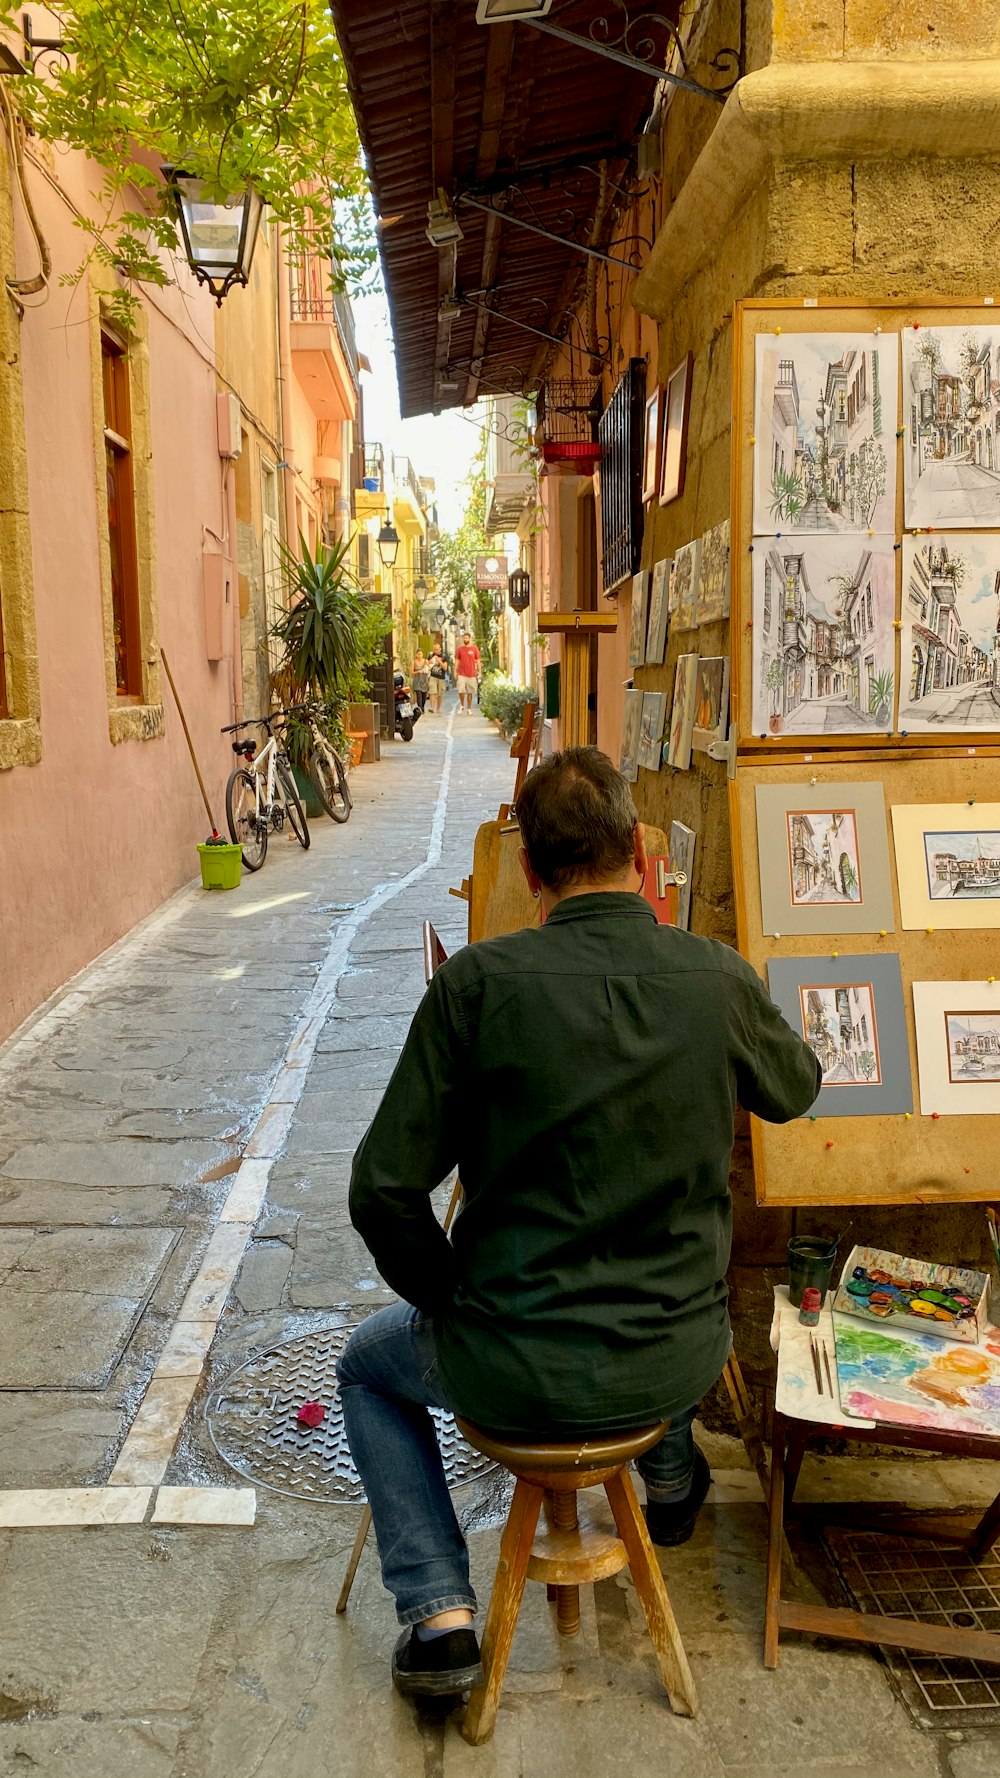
(777, 534)
(897, 623)
(899, 431)
(812, 1120)
(751, 549)
(835, 954)
(908, 1115)
(882, 933)
(897, 546)
(916, 326)
(934, 1116)
(814, 780)
(904, 732)
(878, 330)
(777, 935)
(777, 330)
(871, 533)
(929, 529)
(966, 1169)
(972, 802)
(752, 439)
(929, 930)
(829, 1145)
(990, 979)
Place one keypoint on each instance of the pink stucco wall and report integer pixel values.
(95, 836)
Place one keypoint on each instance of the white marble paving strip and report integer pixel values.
(146, 1452)
(270, 1132)
(186, 1348)
(26, 1508)
(205, 1506)
(247, 1193)
(210, 1287)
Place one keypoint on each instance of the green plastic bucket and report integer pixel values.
(221, 866)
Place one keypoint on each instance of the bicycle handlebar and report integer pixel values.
(249, 722)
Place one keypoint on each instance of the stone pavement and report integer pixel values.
(146, 1651)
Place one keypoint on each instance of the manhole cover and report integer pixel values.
(252, 1423)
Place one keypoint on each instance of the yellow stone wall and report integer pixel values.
(20, 734)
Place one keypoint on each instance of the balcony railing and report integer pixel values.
(404, 477)
(374, 467)
(335, 309)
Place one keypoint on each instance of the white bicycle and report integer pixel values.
(261, 794)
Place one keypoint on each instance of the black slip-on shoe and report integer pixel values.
(445, 1667)
(672, 1523)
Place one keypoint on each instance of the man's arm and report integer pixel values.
(410, 1148)
(777, 1074)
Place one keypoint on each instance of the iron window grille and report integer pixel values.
(620, 431)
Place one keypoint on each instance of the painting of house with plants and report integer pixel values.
(951, 416)
(951, 632)
(823, 639)
(824, 433)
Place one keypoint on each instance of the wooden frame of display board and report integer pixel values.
(815, 315)
(920, 1159)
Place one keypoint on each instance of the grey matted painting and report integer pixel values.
(682, 841)
(823, 852)
(849, 1010)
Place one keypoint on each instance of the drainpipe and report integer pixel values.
(285, 386)
(343, 507)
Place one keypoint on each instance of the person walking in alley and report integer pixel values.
(438, 678)
(583, 1288)
(420, 678)
(469, 663)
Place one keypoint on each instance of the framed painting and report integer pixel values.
(958, 1047)
(628, 764)
(651, 446)
(947, 864)
(673, 454)
(823, 855)
(682, 841)
(685, 574)
(659, 614)
(825, 433)
(824, 645)
(713, 585)
(950, 659)
(849, 1010)
(637, 633)
(651, 729)
(951, 427)
(711, 706)
(677, 747)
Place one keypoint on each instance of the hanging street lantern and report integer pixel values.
(387, 542)
(519, 589)
(498, 604)
(440, 617)
(218, 238)
(420, 587)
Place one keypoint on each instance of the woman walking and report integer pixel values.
(438, 674)
(420, 679)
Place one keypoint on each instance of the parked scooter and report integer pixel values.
(407, 712)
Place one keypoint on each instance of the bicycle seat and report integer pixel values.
(246, 747)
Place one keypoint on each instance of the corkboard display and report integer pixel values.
(878, 1159)
(821, 315)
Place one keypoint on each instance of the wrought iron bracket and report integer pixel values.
(36, 47)
(535, 228)
(632, 50)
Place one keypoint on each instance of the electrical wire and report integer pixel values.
(24, 286)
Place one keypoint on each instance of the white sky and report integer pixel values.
(442, 446)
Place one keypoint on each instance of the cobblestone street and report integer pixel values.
(176, 1131)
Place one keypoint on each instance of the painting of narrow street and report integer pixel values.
(823, 654)
(823, 856)
(951, 625)
(825, 416)
(839, 1027)
(951, 416)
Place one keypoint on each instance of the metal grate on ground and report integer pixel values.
(908, 1577)
(252, 1422)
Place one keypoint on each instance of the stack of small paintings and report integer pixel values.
(849, 1011)
(949, 1301)
(682, 841)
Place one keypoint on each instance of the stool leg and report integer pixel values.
(563, 1516)
(653, 1597)
(501, 1619)
(352, 1566)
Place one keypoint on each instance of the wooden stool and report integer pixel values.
(569, 1554)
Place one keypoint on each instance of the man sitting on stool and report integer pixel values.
(583, 1077)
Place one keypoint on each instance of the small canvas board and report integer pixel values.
(637, 634)
(673, 454)
(684, 580)
(949, 655)
(958, 1047)
(651, 446)
(947, 864)
(677, 748)
(651, 729)
(711, 708)
(915, 1379)
(951, 427)
(659, 614)
(682, 862)
(713, 589)
(825, 433)
(823, 854)
(917, 1295)
(849, 1010)
(631, 733)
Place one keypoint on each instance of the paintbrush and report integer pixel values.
(826, 1361)
(994, 1234)
(815, 1359)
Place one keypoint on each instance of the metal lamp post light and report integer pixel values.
(519, 589)
(387, 543)
(219, 235)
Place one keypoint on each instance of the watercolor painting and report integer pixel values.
(677, 749)
(682, 840)
(637, 634)
(628, 764)
(823, 860)
(913, 1379)
(839, 1027)
(958, 1047)
(922, 1295)
(673, 453)
(651, 446)
(973, 1046)
(651, 729)
(825, 424)
(948, 864)
(685, 574)
(965, 866)
(713, 590)
(950, 658)
(659, 614)
(951, 419)
(711, 701)
(824, 646)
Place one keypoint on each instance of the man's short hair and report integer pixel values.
(466, 632)
(577, 818)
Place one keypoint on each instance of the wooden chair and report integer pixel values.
(569, 1554)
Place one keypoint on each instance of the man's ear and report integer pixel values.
(641, 855)
(529, 876)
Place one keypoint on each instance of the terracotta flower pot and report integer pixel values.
(775, 724)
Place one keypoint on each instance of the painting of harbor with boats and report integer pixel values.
(963, 866)
(973, 1046)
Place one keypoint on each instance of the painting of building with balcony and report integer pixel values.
(824, 433)
(963, 866)
(823, 863)
(950, 661)
(973, 1046)
(838, 1024)
(823, 639)
(951, 418)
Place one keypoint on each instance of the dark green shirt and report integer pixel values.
(583, 1076)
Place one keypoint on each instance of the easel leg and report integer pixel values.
(746, 1422)
(775, 1542)
(352, 1566)
(986, 1532)
(798, 1438)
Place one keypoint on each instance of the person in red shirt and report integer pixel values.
(469, 663)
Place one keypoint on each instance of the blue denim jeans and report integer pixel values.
(388, 1379)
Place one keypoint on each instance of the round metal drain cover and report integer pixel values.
(252, 1423)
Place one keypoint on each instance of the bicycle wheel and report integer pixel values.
(329, 780)
(296, 813)
(245, 830)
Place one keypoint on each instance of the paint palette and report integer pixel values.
(913, 1379)
(947, 1301)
